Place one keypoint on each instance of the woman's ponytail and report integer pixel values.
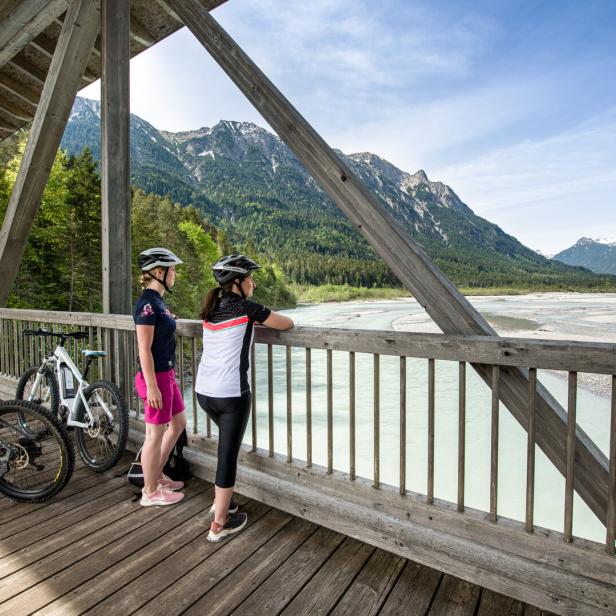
(210, 304)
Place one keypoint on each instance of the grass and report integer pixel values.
(344, 293)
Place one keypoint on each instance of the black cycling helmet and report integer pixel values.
(233, 267)
(157, 257)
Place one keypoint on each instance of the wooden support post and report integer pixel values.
(115, 161)
(432, 289)
(63, 79)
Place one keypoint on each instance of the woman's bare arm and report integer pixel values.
(278, 321)
(145, 336)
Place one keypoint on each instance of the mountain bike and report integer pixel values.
(36, 454)
(95, 411)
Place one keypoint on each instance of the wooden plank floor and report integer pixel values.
(94, 550)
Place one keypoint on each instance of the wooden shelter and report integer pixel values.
(49, 49)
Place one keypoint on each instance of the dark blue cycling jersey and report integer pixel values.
(150, 309)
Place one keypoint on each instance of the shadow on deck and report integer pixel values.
(94, 549)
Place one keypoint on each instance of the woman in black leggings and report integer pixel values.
(222, 385)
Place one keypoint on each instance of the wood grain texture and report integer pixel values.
(434, 291)
(63, 79)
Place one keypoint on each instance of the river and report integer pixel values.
(555, 316)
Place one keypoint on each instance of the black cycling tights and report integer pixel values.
(231, 417)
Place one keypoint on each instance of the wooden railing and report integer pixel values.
(576, 556)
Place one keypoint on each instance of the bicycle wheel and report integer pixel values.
(35, 463)
(102, 444)
(47, 393)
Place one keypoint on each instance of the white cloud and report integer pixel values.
(547, 192)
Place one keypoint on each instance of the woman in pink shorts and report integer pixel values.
(155, 381)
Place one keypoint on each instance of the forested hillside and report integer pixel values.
(61, 267)
(251, 186)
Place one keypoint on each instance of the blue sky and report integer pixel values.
(513, 104)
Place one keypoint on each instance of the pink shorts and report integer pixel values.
(170, 393)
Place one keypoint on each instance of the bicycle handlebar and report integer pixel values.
(61, 335)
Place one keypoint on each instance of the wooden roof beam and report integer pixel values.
(43, 45)
(28, 69)
(19, 90)
(432, 289)
(139, 33)
(15, 111)
(46, 46)
(8, 123)
(24, 22)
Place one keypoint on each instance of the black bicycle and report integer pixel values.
(36, 454)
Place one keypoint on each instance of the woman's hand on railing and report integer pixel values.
(278, 321)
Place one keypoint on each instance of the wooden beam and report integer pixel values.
(96, 48)
(568, 356)
(14, 110)
(139, 33)
(115, 157)
(9, 122)
(434, 291)
(43, 45)
(28, 69)
(46, 46)
(69, 61)
(24, 22)
(25, 93)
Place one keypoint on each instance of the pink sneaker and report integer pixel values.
(160, 496)
(167, 482)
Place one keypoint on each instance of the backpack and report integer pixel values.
(177, 468)
(135, 471)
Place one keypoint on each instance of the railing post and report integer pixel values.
(494, 443)
(461, 432)
(377, 421)
(270, 398)
(253, 393)
(530, 450)
(308, 407)
(352, 415)
(289, 406)
(330, 414)
(611, 499)
(431, 403)
(193, 359)
(402, 426)
(571, 422)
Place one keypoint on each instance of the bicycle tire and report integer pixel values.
(84, 436)
(52, 382)
(57, 432)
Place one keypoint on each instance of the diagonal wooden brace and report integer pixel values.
(63, 80)
(432, 289)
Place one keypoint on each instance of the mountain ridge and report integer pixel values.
(251, 185)
(598, 255)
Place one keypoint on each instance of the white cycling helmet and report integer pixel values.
(157, 257)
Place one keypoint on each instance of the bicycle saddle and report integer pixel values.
(88, 353)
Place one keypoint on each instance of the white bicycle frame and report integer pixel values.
(59, 357)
